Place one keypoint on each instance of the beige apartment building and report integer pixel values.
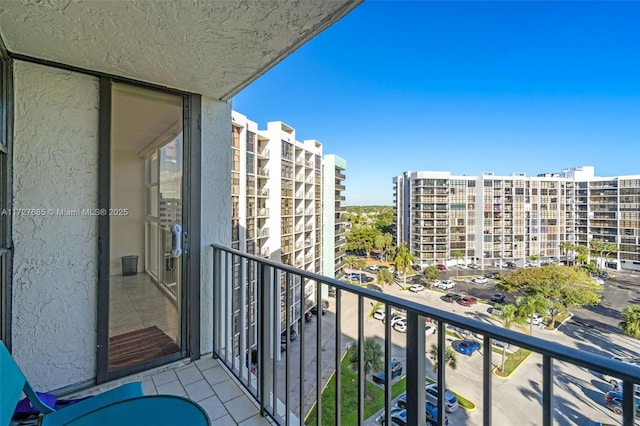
(492, 220)
(283, 191)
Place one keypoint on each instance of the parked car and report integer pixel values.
(480, 280)
(431, 411)
(492, 275)
(416, 288)
(374, 268)
(367, 279)
(511, 265)
(535, 319)
(467, 347)
(374, 288)
(417, 268)
(498, 298)
(467, 301)
(441, 267)
(450, 297)
(400, 325)
(495, 310)
(447, 284)
(597, 279)
(613, 401)
(379, 314)
(432, 397)
(314, 310)
(500, 344)
(430, 329)
(396, 371)
(395, 318)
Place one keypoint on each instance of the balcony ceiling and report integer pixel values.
(215, 48)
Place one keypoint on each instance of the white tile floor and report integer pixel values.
(204, 381)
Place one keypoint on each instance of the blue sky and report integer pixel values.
(466, 87)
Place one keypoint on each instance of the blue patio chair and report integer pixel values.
(120, 406)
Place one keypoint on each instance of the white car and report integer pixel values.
(416, 288)
(379, 314)
(480, 280)
(374, 268)
(400, 325)
(446, 285)
(536, 319)
(398, 318)
(430, 329)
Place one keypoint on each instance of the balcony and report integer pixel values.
(287, 385)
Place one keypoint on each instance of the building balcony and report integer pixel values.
(286, 385)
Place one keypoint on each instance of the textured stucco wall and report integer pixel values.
(216, 202)
(55, 279)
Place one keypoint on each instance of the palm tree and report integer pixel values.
(431, 273)
(566, 247)
(457, 255)
(603, 249)
(533, 258)
(350, 260)
(373, 354)
(384, 276)
(360, 264)
(450, 357)
(528, 306)
(404, 259)
(509, 318)
(582, 255)
(630, 323)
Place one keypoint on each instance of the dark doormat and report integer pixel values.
(138, 347)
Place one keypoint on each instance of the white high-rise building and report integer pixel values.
(491, 220)
(281, 197)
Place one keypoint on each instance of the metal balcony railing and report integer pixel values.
(248, 338)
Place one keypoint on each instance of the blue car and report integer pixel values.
(613, 399)
(431, 411)
(468, 347)
(396, 371)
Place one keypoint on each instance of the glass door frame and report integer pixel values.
(190, 272)
(6, 154)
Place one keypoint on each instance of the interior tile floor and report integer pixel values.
(204, 381)
(136, 302)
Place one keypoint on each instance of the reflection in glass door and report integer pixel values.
(145, 307)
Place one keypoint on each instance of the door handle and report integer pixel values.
(176, 250)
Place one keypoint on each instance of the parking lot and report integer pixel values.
(578, 393)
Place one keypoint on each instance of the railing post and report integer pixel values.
(387, 364)
(487, 366)
(264, 336)
(416, 413)
(361, 375)
(320, 308)
(338, 404)
(628, 403)
(215, 318)
(442, 345)
(547, 390)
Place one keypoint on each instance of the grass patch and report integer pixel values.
(512, 360)
(349, 398)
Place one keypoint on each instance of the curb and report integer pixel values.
(514, 370)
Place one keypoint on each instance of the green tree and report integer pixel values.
(450, 357)
(457, 255)
(534, 258)
(603, 249)
(403, 260)
(431, 273)
(373, 354)
(350, 260)
(567, 247)
(528, 306)
(384, 276)
(362, 238)
(509, 317)
(562, 287)
(582, 255)
(630, 321)
(360, 264)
